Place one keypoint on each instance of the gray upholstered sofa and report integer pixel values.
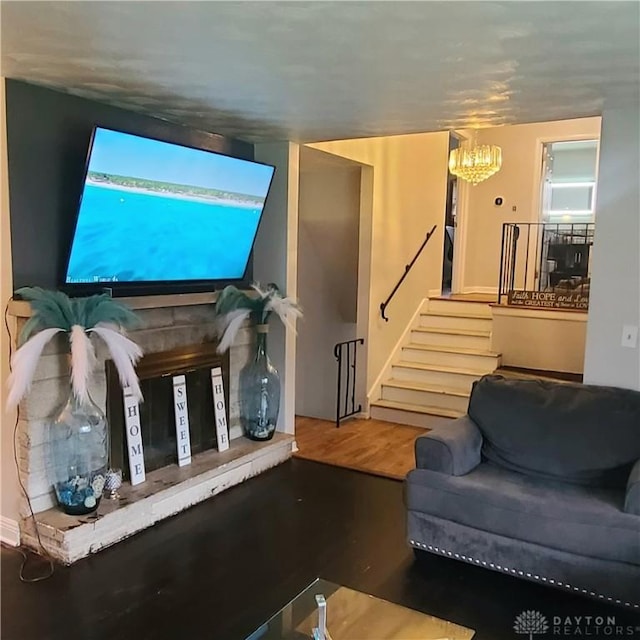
(540, 480)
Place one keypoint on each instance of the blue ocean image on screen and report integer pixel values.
(152, 211)
(181, 240)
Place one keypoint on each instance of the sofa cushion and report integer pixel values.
(577, 433)
(453, 448)
(584, 520)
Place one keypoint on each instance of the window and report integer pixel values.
(569, 181)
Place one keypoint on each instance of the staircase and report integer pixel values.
(448, 349)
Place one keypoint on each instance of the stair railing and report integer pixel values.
(407, 268)
(536, 256)
(346, 399)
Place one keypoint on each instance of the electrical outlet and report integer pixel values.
(629, 336)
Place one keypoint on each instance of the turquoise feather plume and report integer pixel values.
(234, 306)
(54, 309)
(53, 313)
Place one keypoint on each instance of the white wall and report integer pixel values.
(615, 283)
(518, 184)
(328, 233)
(275, 260)
(10, 488)
(539, 339)
(409, 194)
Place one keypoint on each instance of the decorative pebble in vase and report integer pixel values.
(78, 440)
(259, 392)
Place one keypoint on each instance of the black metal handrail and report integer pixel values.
(348, 408)
(383, 306)
(559, 250)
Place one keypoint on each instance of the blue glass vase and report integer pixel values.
(259, 392)
(79, 455)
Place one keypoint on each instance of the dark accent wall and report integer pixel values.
(48, 134)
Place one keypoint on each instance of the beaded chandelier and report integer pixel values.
(474, 163)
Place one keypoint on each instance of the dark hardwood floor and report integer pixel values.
(221, 568)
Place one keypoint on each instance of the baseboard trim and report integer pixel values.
(9, 532)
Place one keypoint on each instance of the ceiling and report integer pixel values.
(310, 71)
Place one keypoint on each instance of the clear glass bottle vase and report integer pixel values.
(259, 392)
(79, 454)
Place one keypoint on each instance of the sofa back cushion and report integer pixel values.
(571, 432)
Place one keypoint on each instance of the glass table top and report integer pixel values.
(352, 615)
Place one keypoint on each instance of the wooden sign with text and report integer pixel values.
(219, 409)
(134, 437)
(549, 300)
(183, 438)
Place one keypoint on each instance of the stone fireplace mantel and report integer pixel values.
(168, 322)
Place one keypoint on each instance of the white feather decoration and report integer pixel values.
(263, 293)
(286, 309)
(125, 354)
(229, 326)
(83, 360)
(24, 363)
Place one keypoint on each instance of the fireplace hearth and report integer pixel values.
(177, 337)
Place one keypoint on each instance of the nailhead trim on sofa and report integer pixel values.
(444, 552)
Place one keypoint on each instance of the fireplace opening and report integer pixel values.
(157, 417)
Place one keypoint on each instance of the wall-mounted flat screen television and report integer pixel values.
(158, 213)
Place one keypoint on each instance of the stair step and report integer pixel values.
(467, 299)
(456, 314)
(446, 305)
(451, 357)
(455, 332)
(462, 321)
(438, 368)
(438, 374)
(425, 394)
(453, 338)
(445, 349)
(418, 408)
(425, 386)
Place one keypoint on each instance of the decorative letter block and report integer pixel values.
(182, 420)
(219, 409)
(134, 437)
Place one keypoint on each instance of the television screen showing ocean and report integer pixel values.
(124, 235)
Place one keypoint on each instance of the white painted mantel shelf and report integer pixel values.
(167, 491)
(22, 309)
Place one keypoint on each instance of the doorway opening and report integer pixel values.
(450, 223)
(334, 254)
(567, 213)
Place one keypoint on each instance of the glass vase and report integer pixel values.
(259, 392)
(79, 455)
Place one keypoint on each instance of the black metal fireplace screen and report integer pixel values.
(157, 420)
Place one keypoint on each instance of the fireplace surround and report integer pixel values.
(177, 336)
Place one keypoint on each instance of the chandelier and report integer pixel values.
(474, 163)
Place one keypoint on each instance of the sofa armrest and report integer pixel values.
(632, 497)
(453, 448)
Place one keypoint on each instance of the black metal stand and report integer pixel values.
(348, 408)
